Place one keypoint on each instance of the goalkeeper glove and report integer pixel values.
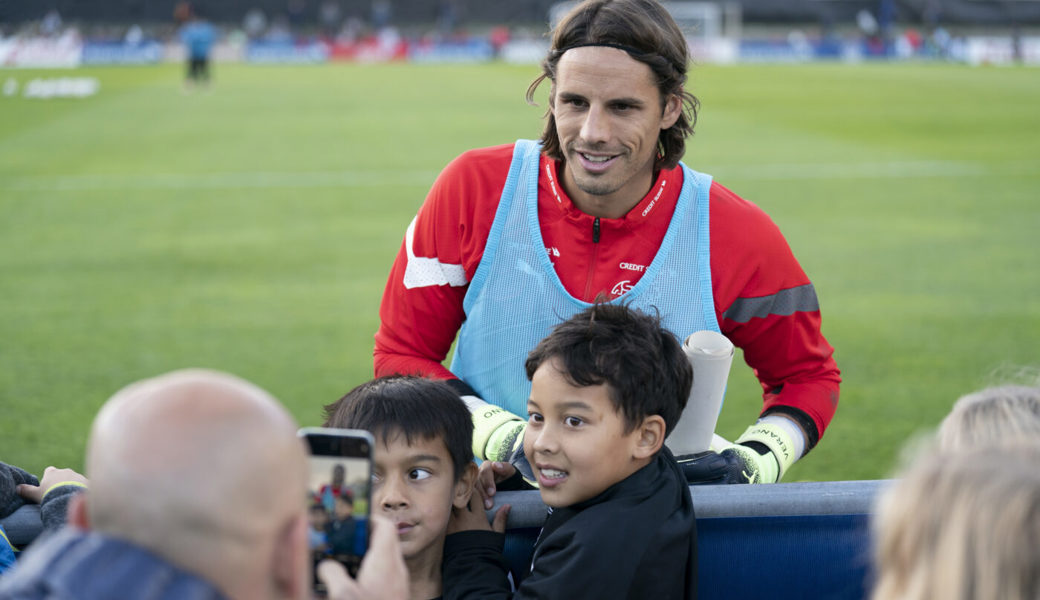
(498, 435)
(762, 454)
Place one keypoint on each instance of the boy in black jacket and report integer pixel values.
(607, 387)
(422, 464)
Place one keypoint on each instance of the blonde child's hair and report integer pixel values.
(991, 415)
(962, 524)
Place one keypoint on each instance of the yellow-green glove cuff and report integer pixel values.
(779, 442)
(754, 467)
(494, 429)
(506, 441)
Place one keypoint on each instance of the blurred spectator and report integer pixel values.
(341, 530)
(940, 42)
(328, 492)
(447, 17)
(962, 525)
(173, 502)
(866, 22)
(914, 38)
(382, 13)
(279, 31)
(330, 16)
(351, 31)
(134, 35)
(181, 13)
(886, 19)
(991, 416)
(317, 522)
(931, 14)
(175, 508)
(872, 34)
(388, 38)
(1016, 43)
(51, 23)
(296, 12)
(254, 23)
(499, 37)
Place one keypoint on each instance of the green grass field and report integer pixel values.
(250, 229)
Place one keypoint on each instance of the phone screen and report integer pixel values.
(338, 491)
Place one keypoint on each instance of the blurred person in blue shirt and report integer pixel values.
(198, 36)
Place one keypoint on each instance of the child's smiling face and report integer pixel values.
(576, 439)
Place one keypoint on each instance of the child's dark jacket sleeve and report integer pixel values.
(635, 540)
(474, 566)
(567, 568)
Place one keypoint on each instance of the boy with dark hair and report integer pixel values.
(607, 387)
(423, 464)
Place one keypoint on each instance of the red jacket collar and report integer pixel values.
(658, 203)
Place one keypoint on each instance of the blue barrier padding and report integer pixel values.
(777, 541)
(824, 557)
(519, 549)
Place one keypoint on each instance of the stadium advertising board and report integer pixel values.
(996, 50)
(286, 52)
(369, 50)
(454, 51)
(120, 53)
(41, 53)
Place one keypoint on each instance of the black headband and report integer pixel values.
(630, 50)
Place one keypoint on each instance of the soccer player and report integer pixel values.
(513, 239)
(198, 36)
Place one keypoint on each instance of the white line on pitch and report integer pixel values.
(383, 178)
(218, 181)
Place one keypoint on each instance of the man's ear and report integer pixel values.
(672, 110)
(650, 437)
(291, 557)
(76, 514)
(464, 486)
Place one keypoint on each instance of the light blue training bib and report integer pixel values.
(516, 297)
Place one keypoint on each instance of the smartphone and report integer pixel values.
(339, 493)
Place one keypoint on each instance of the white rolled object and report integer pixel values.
(711, 355)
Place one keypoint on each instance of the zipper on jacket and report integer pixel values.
(592, 260)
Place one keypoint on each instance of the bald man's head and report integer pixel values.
(201, 467)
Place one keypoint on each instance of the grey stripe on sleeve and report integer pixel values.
(783, 303)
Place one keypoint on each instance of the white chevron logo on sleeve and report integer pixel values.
(424, 272)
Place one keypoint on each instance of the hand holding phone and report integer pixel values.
(339, 490)
(383, 574)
